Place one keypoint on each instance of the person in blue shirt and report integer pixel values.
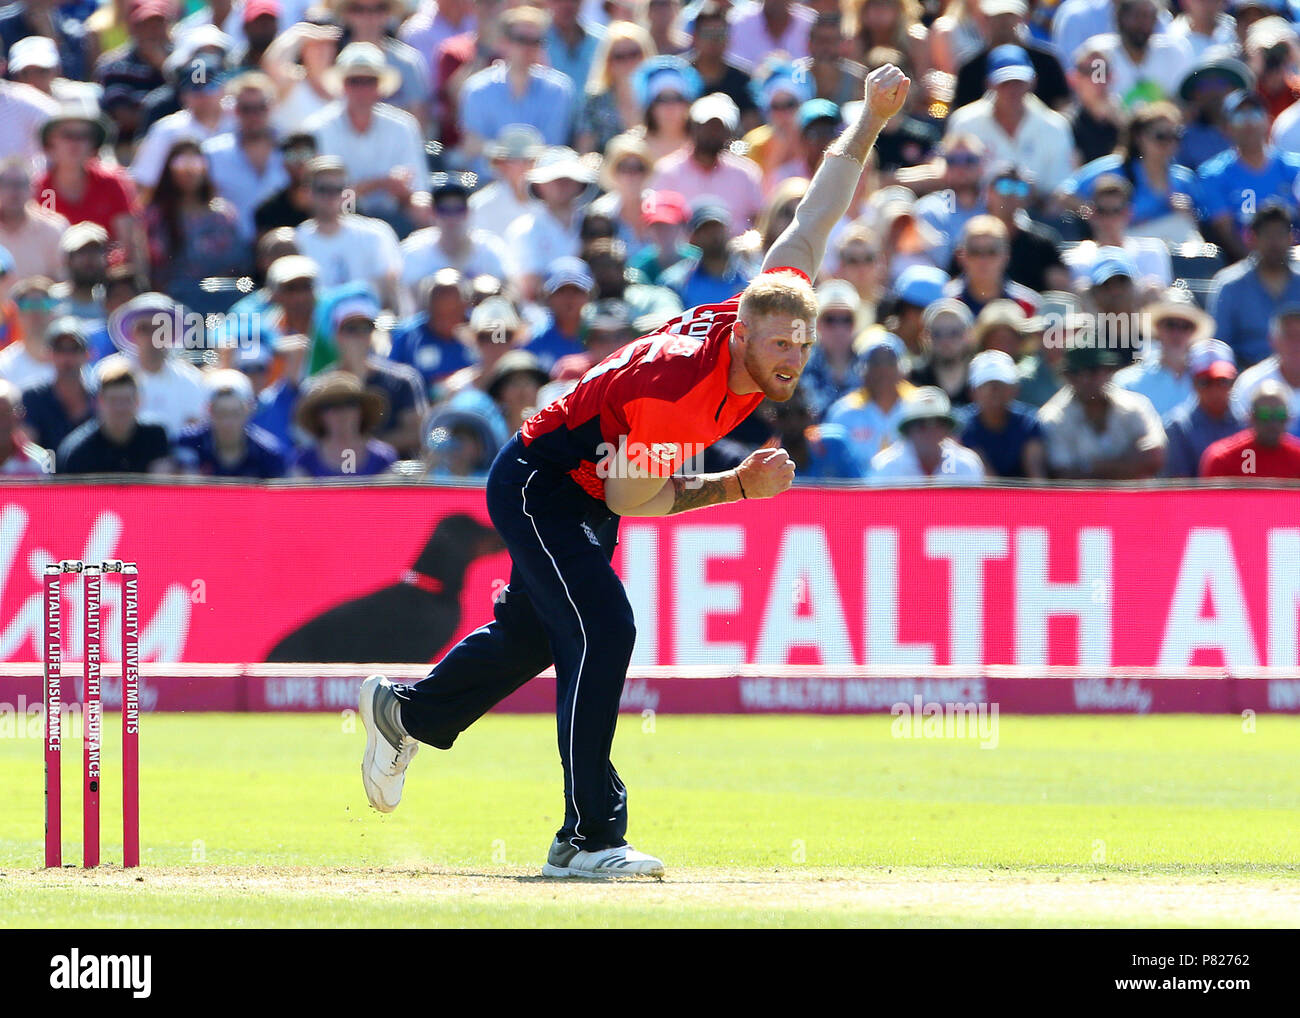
(1234, 184)
(1245, 296)
(428, 340)
(1206, 416)
(567, 291)
(819, 451)
(715, 274)
(1145, 158)
(228, 444)
(1005, 433)
(1211, 81)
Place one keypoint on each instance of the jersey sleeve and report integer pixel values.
(655, 444)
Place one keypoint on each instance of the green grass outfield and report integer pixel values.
(260, 820)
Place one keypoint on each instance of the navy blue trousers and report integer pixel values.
(564, 605)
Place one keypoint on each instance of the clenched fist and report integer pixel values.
(887, 88)
(766, 473)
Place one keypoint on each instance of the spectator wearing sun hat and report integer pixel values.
(1206, 416)
(1164, 375)
(706, 167)
(563, 183)
(341, 415)
(925, 448)
(148, 329)
(1004, 432)
(494, 206)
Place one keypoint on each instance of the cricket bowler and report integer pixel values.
(606, 450)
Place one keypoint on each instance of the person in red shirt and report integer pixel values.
(1264, 450)
(613, 447)
(81, 188)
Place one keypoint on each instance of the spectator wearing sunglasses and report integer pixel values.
(1095, 116)
(450, 243)
(1282, 367)
(246, 165)
(778, 141)
(24, 315)
(926, 448)
(983, 256)
(517, 90)
(1207, 416)
(1164, 374)
(1264, 450)
(832, 368)
(1162, 189)
(1035, 247)
(947, 341)
(1004, 23)
(960, 198)
(1235, 183)
(1247, 296)
(609, 103)
(1109, 216)
(291, 205)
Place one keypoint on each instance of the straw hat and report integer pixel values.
(334, 388)
(363, 59)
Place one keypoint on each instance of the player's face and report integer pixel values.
(776, 352)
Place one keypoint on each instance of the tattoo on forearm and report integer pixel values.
(697, 492)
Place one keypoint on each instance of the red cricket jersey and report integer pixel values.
(1226, 458)
(665, 395)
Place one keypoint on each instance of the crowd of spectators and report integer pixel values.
(264, 238)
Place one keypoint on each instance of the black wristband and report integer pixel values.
(742, 485)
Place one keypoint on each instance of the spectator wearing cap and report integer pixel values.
(1161, 190)
(450, 243)
(229, 444)
(1164, 375)
(960, 196)
(1046, 337)
(1205, 125)
(562, 185)
(28, 232)
(1204, 24)
(193, 234)
(830, 73)
(715, 273)
(1206, 416)
(493, 330)
(650, 305)
(902, 311)
(831, 372)
(984, 255)
(261, 24)
(287, 306)
(347, 247)
(1110, 216)
(429, 340)
(1145, 65)
(84, 247)
(1015, 125)
(352, 323)
(1096, 430)
(716, 63)
(925, 448)
(517, 90)
(1246, 296)
(667, 86)
(767, 26)
(1001, 326)
(19, 456)
(341, 415)
(116, 440)
(1004, 432)
(707, 168)
(1234, 184)
(246, 165)
(206, 43)
(1035, 253)
(1263, 450)
(567, 291)
(147, 329)
(54, 408)
(870, 413)
(23, 111)
(819, 123)
(499, 203)
(290, 205)
(379, 145)
(84, 189)
(1114, 295)
(947, 343)
(665, 216)
(201, 88)
(1282, 366)
(26, 18)
(1004, 24)
(819, 451)
(513, 385)
(34, 61)
(623, 175)
(1095, 117)
(459, 442)
(607, 327)
(607, 101)
(781, 90)
(25, 359)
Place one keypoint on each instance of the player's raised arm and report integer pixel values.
(803, 243)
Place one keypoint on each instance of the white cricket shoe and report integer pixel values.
(388, 749)
(564, 860)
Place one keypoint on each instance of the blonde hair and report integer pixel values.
(618, 31)
(984, 226)
(785, 294)
(525, 15)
